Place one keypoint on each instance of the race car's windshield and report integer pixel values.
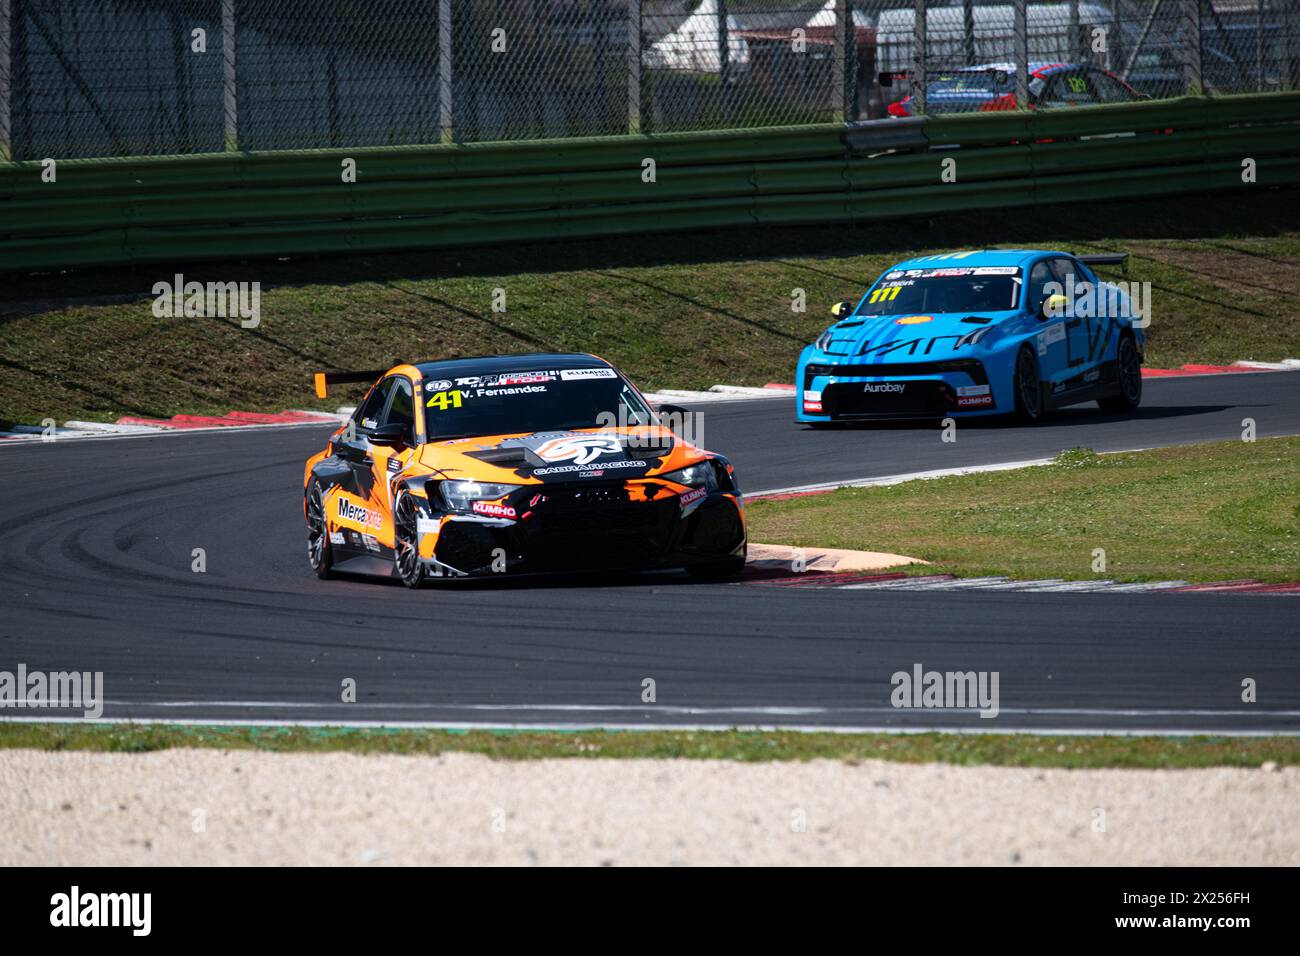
(531, 401)
(975, 81)
(971, 290)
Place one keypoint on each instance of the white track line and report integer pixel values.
(685, 728)
(899, 479)
(691, 711)
(27, 440)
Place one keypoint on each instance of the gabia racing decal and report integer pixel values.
(355, 513)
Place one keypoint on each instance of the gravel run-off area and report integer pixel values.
(247, 807)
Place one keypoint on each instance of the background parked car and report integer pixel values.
(992, 86)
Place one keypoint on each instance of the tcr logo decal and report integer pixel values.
(580, 449)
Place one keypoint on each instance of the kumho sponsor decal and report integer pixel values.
(491, 510)
(955, 690)
(974, 396)
(57, 690)
(585, 374)
(689, 499)
(76, 909)
(197, 300)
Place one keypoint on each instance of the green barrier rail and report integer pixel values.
(167, 209)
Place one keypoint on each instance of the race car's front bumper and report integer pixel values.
(588, 526)
(842, 392)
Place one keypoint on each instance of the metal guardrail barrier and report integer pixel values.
(161, 77)
(242, 205)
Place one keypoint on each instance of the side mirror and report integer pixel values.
(390, 436)
(842, 309)
(671, 410)
(1052, 306)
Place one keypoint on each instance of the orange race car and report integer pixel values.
(515, 464)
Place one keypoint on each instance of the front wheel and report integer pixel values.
(1130, 380)
(1028, 390)
(406, 553)
(319, 553)
(718, 570)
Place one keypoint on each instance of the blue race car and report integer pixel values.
(977, 333)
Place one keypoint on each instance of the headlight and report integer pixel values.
(458, 495)
(823, 340)
(702, 475)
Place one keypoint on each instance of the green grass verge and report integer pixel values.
(1009, 750)
(1208, 512)
(672, 311)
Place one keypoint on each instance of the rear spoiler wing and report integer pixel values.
(326, 379)
(1106, 259)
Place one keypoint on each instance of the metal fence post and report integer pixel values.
(1074, 48)
(839, 70)
(918, 56)
(724, 61)
(1022, 55)
(446, 127)
(1259, 46)
(1192, 47)
(1113, 58)
(634, 66)
(968, 32)
(228, 75)
(1289, 44)
(6, 83)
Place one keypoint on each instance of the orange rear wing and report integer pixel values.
(326, 379)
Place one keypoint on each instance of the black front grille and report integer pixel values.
(468, 546)
(972, 367)
(850, 399)
(590, 527)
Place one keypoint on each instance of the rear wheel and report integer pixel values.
(1029, 393)
(1130, 380)
(319, 553)
(406, 551)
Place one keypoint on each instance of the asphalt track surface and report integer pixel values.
(95, 575)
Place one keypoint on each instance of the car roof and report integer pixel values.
(487, 364)
(1041, 67)
(980, 257)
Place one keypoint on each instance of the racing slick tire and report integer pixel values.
(319, 553)
(717, 570)
(1129, 395)
(1028, 391)
(406, 541)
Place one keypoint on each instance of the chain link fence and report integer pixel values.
(142, 77)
